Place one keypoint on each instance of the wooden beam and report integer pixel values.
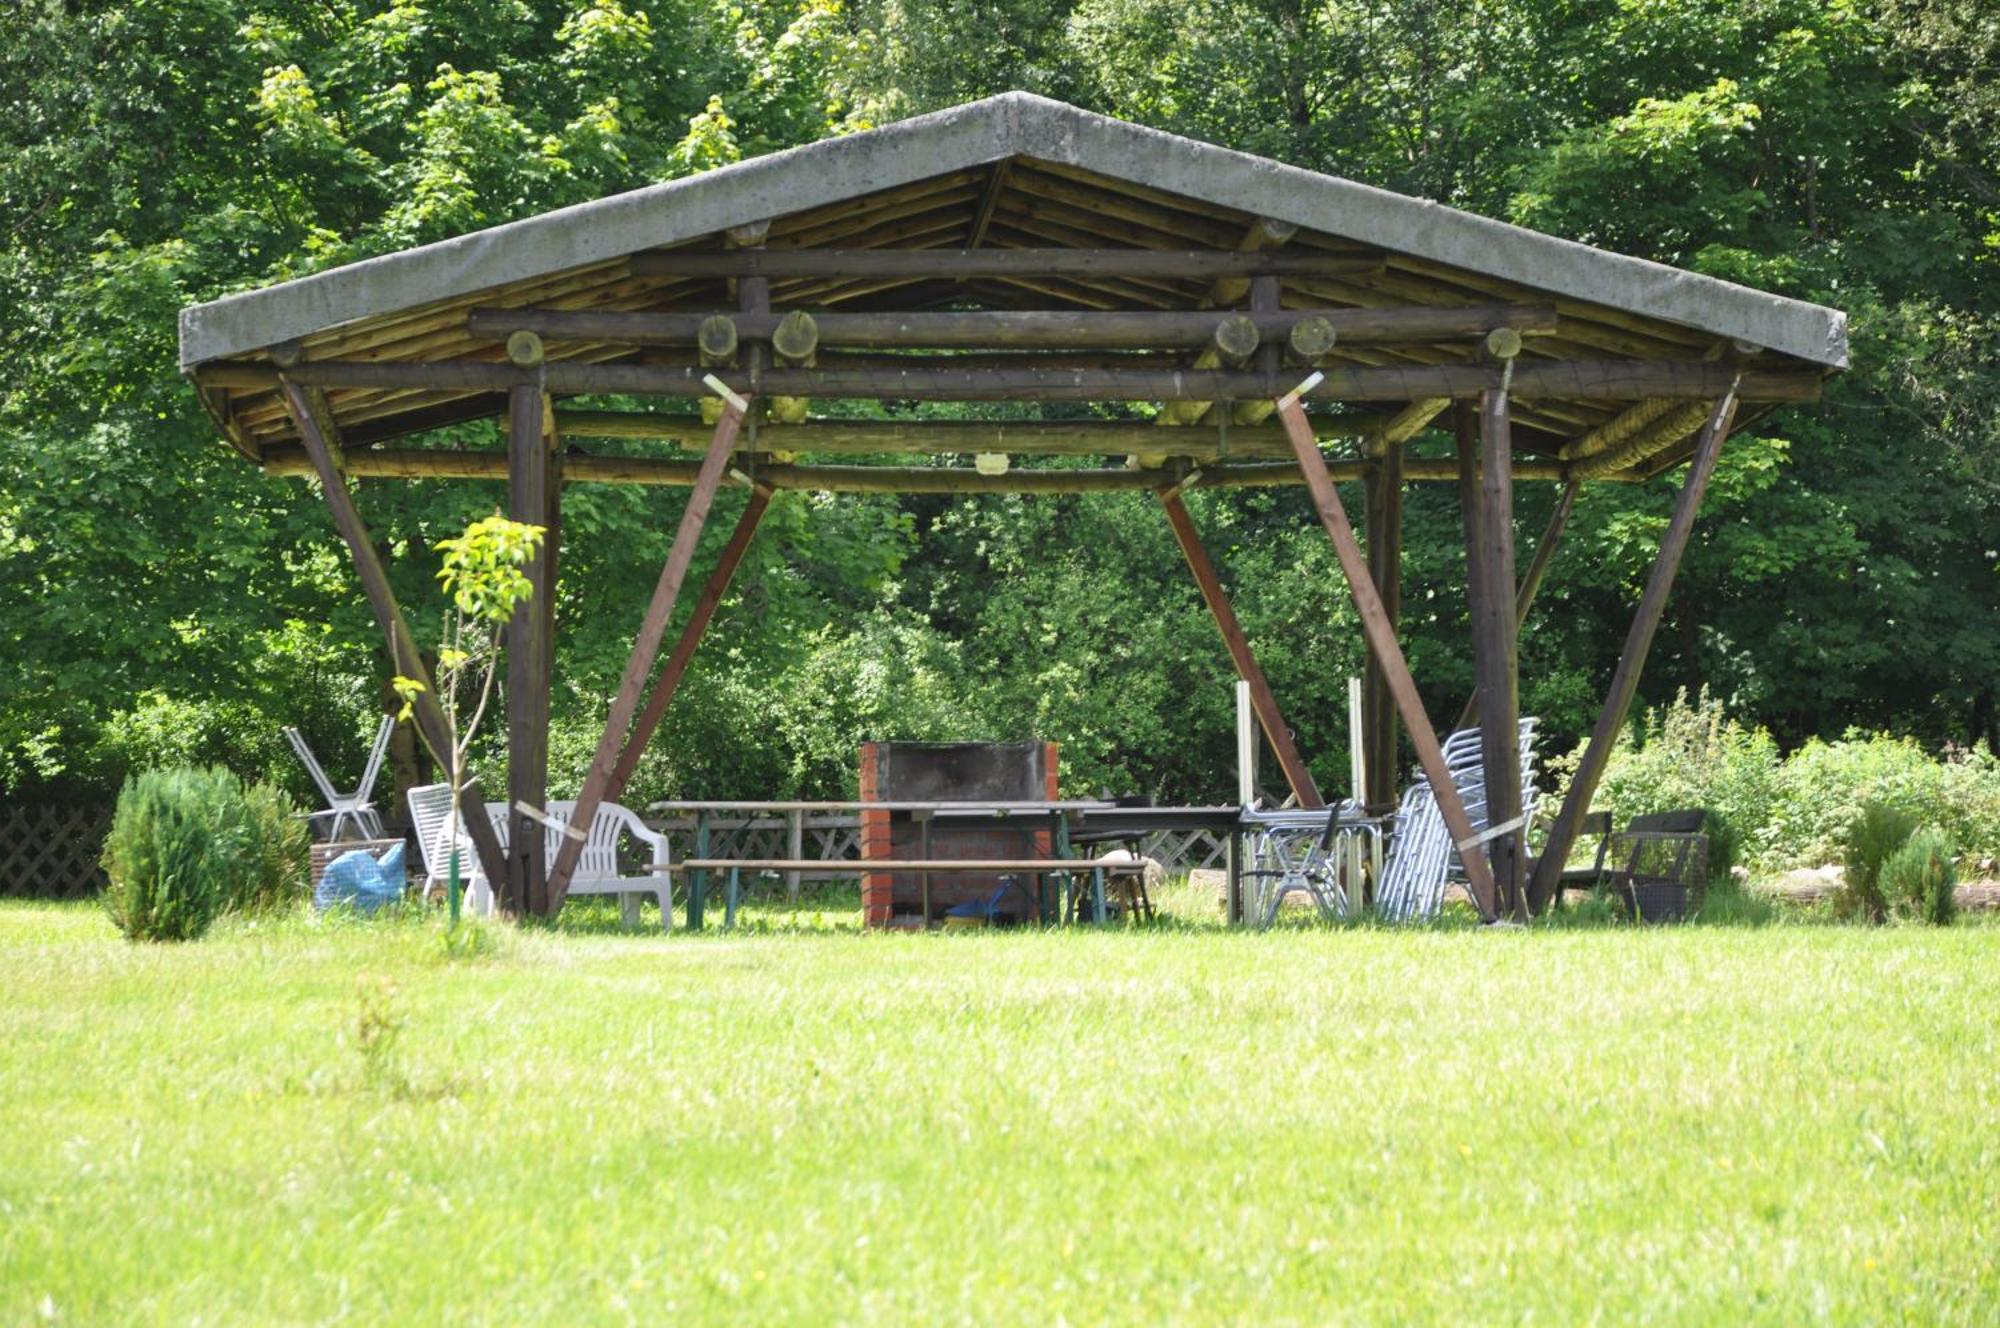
(1266, 298)
(1407, 423)
(926, 380)
(965, 264)
(1264, 235)
(1382, 642)
(1531, 584)
(1382, 520)
(530, 664)
(1493, 646)
(646, 648)
(1276, 731)
(442, 464)
(1072, 329)
(1632, 659)
(1618, 428)
(669, 679)
(319, 436)
(935, 437)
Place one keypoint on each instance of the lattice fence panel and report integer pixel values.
(1182, 851)
(51, 851)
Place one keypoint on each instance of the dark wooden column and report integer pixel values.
(307, 408)
(1531, 584)
(1491, 592)
(1382, 644)
(1632, 660)
(646, 648)
(669, 680)
(1276, 731)
(530, 651)
(1382, 518)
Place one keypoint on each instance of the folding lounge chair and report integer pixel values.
(345, 808)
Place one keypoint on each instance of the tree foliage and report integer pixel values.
(163, 597)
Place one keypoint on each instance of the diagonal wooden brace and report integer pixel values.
(704, 609)
(647, 647)
(1382, 642)
(307, 407)
(1632, 659)
(1247, 668)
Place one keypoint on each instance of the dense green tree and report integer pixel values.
(162, 600)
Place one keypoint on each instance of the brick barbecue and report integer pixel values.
(948, 772)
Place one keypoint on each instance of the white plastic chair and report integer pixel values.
(437, 831)
(346, 807)
(597, 869)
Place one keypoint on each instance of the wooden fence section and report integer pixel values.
(51, 851)
(836, 837)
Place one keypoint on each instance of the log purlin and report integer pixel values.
(1070, 329)
(582, 468)
(929, 381)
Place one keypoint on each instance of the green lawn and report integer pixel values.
(1780, 1124)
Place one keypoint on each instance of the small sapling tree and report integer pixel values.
(485, 574)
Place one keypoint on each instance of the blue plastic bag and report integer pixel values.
(361, 881)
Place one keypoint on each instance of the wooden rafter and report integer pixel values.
(1029, 329)
(964, 264)
(1585, 379)
(583, 468)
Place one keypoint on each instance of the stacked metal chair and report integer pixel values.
(1422, 857)
(1314, 853)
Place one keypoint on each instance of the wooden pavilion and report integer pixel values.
(1018, 249)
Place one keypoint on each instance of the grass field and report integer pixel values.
(291, 1122)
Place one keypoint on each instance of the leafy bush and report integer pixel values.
(1690, 754)
(1822, 783)
(1772, 813)
(1918, 878)
(187, 844)
(1873, 838)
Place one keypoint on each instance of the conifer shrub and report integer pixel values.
(188, 844)
(1874, 836)
(1917, 879)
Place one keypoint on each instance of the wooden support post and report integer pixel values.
(529, 667)
(1382, 643)
(1493, 645)
(1632, 660)
(669, 680)
(307, 407)
(1261, 698)
(644, 650)
(795, 849)
(1531, 584)
(1382, 517)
